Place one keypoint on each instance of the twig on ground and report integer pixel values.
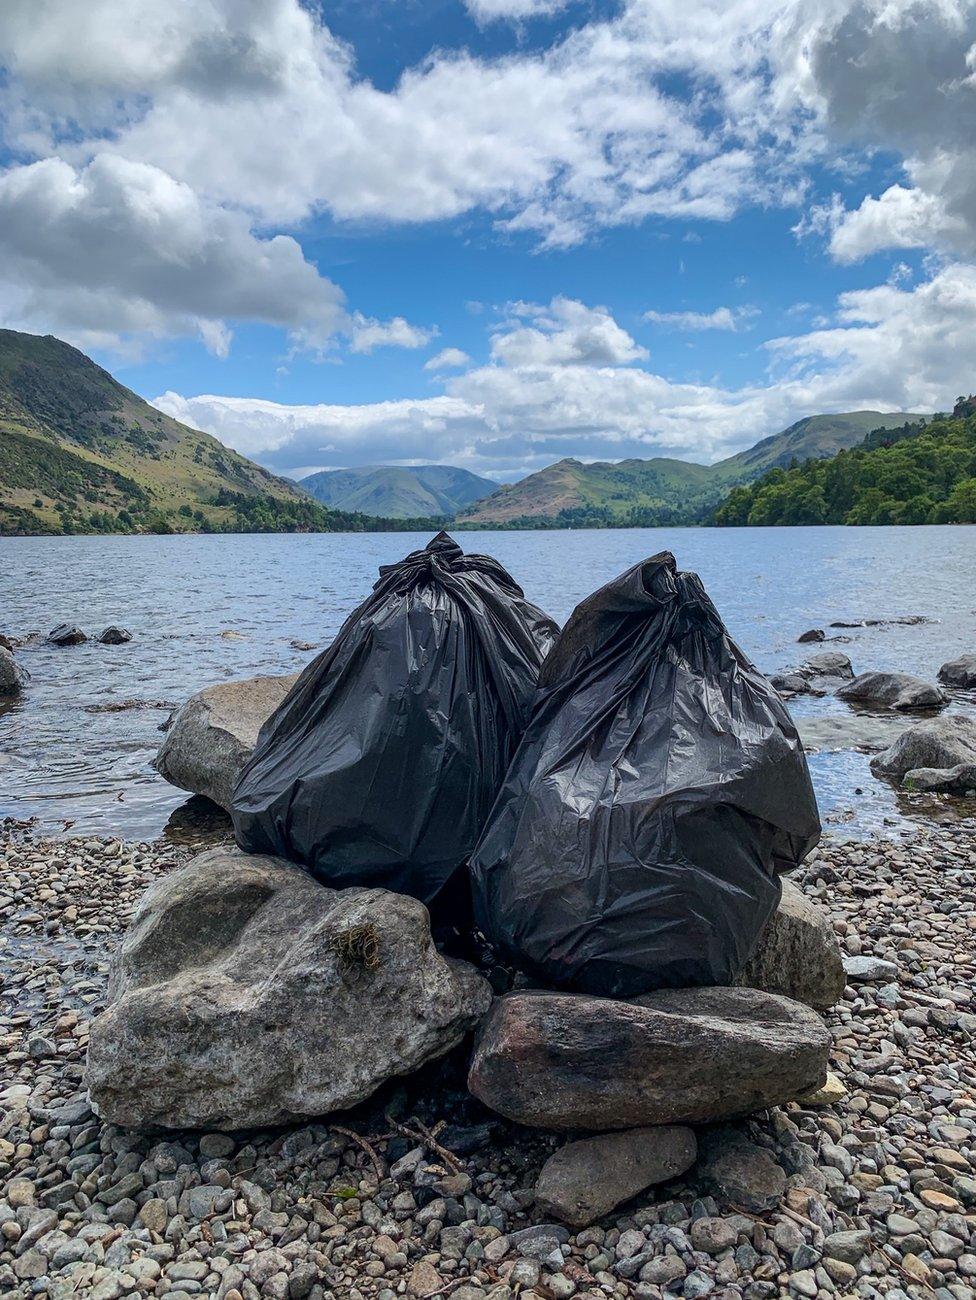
(361, 1142)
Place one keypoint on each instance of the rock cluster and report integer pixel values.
(867, 1188)
(821, 674)
(938, 755)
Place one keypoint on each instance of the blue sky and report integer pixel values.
(495, 232)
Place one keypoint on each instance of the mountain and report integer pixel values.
(80, 452)
(923, 473)
(661, 491)
(399, 492)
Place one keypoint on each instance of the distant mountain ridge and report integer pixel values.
(661, 490)
(399, 491)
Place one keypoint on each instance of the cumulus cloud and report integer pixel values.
(119, 247)
(396, 333)
(566, 333)
(886, 348)
(448, 359)
(722, 318)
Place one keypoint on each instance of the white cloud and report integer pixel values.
(722, 318)
(117, 248)
(566, 333)
(448, 359)
(888, 348)
(512, 10)
(396, 333)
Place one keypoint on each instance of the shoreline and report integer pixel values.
(87, 1209)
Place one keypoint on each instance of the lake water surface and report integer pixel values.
(205, 609)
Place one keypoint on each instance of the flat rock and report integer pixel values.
(819, 674)
(942, 780)
(939, 742)
(66, 634)
(677, 1056)
(797, 955)
(869, 970)
(13, 678)
(959, 672)
(212, 736)
(585, 1180)
(247, 994)
(893, 691)
(866, 732)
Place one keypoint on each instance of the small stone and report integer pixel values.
(424, 1279)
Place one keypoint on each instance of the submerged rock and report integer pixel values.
(798, 955)
(66, 634)
(13, 678)
(940, 742)
(959, 672)
(247, 994)
(677, 1056)
(585, 1180)
(820, 674)
(212, 736)
(894, 691)
(114, 636)
(814, 634)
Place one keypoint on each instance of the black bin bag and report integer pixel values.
(658, 792)
(381, 764)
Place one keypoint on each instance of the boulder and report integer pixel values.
(939, 742)
(960, 779)
(739, 1171)
(959, 672)
(797, 955)
(114, 636)
(677, 1056)
(814, 634)
(212, 736)
(893, 691)
(830, 663)
(13, 678)
(66, 634)
(247, 994)
(585, 1180)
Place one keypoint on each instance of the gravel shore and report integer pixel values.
(421, 1192)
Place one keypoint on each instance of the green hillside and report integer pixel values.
(923, 474)
(399, 491)
(661, 491)
(79, 452)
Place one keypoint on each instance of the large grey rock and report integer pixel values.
(829, 663)
(939, 742)
(248, 994)
(797, 955)
(13, 678)
(214, 733)
(893, 691)
(942, 780)
(959, 672)
(585, 1180)
(677, 1056)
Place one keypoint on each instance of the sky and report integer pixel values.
(494, 233)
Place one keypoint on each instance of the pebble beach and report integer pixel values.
(422, 1192)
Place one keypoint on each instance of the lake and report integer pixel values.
(204, 609)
